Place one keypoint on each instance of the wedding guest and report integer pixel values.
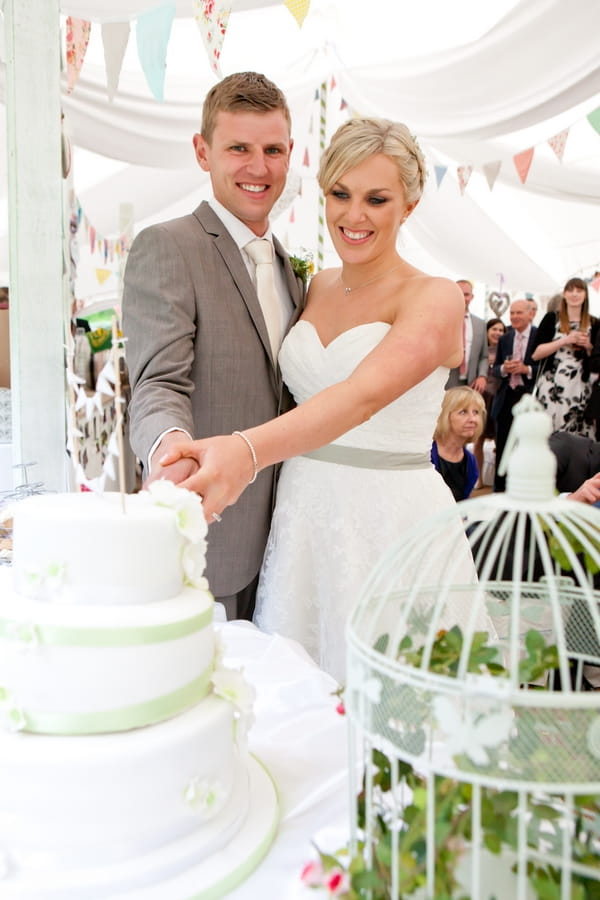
(367, 364)
(473, 366)
(494, 329)
(460, 422)
(563, 344)
(516, 369)
(201, 344)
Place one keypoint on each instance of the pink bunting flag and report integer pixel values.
(491, 171)
(77, 38)
(558, 142)
(212, 17)
(343, 104)
(464, 173)
(292, 215)
(522, 163)
(306, 160)
(333, 83)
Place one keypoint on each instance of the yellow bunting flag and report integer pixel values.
(102, 275)
(299, 9)
(77, 37)
(522, 163)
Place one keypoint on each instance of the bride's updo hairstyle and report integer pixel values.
(359, 139)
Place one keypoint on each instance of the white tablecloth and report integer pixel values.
(301, 740)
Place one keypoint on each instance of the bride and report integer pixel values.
(367, 364)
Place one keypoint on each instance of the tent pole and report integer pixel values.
(37, 295)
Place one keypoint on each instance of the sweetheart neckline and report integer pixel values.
(342, 333)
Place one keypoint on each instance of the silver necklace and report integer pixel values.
(350, 290)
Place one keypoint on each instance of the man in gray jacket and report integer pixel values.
(474, 369)
(199, 344)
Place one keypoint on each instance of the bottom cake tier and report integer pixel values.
(168, 812)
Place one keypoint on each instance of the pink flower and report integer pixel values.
(312, 874)
(337, 882)
(340, 708)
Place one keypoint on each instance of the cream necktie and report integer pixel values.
(260, 252)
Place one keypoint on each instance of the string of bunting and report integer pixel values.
(153, 32)
(522, 160)
(107, 248)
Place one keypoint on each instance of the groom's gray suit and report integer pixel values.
(199, 359)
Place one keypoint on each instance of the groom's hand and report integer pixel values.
(178, 471)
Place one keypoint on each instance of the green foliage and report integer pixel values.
(453, 798)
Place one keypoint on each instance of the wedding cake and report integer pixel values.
(124, 772)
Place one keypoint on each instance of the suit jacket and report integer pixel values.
(477, 364)
(199, 359)
(577, 459)
(505, 347)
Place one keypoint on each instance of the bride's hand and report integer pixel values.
(225, 468)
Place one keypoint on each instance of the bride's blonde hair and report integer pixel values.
(359, 139)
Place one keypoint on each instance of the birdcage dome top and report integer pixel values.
(469, 642)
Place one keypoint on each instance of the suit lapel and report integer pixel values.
(232, 258)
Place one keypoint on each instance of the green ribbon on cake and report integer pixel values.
(123, 719)
(70, 636)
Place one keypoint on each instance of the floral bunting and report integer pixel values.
(522, 163)
(299, 9)
(77, 39)
(440, 171)
(491, 171)
(115, 37)
(212, 17)
(558, 143)
(464, 173)
(153, 32)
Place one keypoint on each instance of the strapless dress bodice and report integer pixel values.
(308, 367)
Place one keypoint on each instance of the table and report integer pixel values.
(301, 740)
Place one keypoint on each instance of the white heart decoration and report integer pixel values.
(499, 303)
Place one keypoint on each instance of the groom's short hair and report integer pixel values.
(241, 92)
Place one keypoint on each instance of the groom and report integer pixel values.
(198, 349)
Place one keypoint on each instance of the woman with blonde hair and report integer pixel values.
(563, 343)
(460, 422)
(367, 363)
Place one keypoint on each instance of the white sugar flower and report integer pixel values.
(204, 796)
(193, 561)
(231, 685)
(187, 506)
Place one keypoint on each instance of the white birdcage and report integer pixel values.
(467, 656)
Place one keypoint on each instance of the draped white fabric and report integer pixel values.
(531, 74)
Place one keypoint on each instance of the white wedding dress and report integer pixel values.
(332, 523)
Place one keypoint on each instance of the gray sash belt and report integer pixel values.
(369, 459)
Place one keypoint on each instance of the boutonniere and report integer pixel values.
(303, 265)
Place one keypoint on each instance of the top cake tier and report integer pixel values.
(85, 548)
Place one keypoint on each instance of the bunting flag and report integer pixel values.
(77, 38)
(343, 104)
(491, 171)
(115, 37)
(333, 83)
(464, 173)
(102, 275)
(596, 283)
(558, 142)
(440, 171)
(292, 216)
(212, 17)
(299, 10)
(594, 119)
(522, 163)
(306, 159)
(153, 32)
